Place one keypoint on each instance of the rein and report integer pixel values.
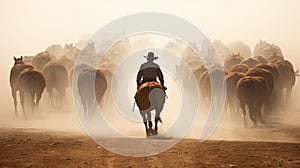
(133, 106)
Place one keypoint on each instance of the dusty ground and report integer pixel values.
(42, 148)
(52, 138)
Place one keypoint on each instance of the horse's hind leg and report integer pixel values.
(14, 95)
(145, 122)
(152, 132)
(149, 119)
(22, 101)
(156, 127)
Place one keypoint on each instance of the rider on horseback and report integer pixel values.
(149, 71)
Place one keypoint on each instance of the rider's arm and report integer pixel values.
(160, 76)
(139, 77)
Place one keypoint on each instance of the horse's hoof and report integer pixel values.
(153, 132)
(148, 133)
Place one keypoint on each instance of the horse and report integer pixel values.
(18, 67)
(88, 93)
(31, 82)
(57, 78)
(150, 96)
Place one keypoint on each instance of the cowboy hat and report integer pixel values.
(150, 56)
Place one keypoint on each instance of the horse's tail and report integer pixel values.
(159, 119)
(297, 72)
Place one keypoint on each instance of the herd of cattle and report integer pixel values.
(52, 70)
(262, 80)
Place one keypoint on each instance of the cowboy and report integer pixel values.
(149, 71)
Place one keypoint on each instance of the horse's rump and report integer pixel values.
(31, 81)
(143, 93)
(15, 72)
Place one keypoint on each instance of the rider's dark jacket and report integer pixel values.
(148, 72)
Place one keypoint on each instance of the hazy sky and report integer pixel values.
(29, 26)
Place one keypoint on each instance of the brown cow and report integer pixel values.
(288, 78)
(232, 60)
(251, 62)
(272, 50)
(275, 57)
(57, 80)
(259, 48)
(269, 79)
(232, 102)
(67, 62)
(240, 47)
(88, 93)
(243, 68)
(276, 80)
(41, 59)
(206, 87)
(222, 50)
(253, 92)
(261, 59)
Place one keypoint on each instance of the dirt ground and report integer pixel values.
(51, 138)
(42, 148)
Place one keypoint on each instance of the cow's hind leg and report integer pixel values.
(50, 93)
(243, 107)
(288, 97)
(252, 113)
(31, 98)
(38, 98)
(84, 106)
(258, 113)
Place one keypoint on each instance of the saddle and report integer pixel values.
(142, 95)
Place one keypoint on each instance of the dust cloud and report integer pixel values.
(130, 123)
